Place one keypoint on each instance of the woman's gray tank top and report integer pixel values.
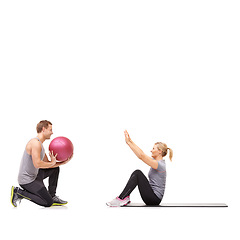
(157, 178)
(27, 171)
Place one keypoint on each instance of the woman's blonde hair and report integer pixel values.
(164, 148)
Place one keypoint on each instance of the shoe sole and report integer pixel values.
(59, 204)
(11, 199)
(119, 206)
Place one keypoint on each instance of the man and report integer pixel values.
(35, 167)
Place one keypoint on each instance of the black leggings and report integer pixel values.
(138, 179)
(36, 190)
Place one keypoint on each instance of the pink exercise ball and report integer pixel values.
(61, 146)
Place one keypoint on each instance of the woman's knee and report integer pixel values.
(137, 172)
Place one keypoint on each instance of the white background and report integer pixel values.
(164, 70)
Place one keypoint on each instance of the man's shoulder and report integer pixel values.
(34, 142)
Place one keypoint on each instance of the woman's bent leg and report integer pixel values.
(139, 179)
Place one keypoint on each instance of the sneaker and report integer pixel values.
(117, 202)
(15, 197)
(58, 202)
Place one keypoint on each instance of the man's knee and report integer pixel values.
(48, 201)
(56, 170)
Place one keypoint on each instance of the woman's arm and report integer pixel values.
(139, 153)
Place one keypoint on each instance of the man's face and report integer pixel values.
(47, 131)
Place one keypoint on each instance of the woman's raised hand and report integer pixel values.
(127, 137)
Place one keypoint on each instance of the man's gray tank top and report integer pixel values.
(27, 171)
(157, 178)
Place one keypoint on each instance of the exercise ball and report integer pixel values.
(61, 146)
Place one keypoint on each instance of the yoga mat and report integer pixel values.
(178, 205)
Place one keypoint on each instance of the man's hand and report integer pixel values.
(57, 164)
(53, 158)
(64, 162)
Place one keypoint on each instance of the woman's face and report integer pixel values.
(155, 152)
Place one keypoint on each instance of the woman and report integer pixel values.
(151, 191)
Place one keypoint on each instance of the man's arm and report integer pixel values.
(57, 163)
(36, 152)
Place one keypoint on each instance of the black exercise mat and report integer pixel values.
(178, 205)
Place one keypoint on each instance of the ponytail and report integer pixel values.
(164, 148)
(170, 154)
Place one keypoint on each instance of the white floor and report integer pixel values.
(78, 221)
